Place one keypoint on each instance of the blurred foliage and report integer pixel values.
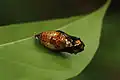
(106, 63)
(20, 11)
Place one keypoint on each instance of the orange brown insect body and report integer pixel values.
(60, 41)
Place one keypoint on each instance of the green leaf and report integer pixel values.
(28, 29)
(23, 59)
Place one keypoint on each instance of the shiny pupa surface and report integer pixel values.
(60, 41)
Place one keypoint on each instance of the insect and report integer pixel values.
(60, 41)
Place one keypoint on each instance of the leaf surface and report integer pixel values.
(21, 58)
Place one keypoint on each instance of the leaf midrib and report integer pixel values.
(26, 64)
(17, 41)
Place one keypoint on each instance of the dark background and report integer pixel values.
(20, 11)
(106, 63)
